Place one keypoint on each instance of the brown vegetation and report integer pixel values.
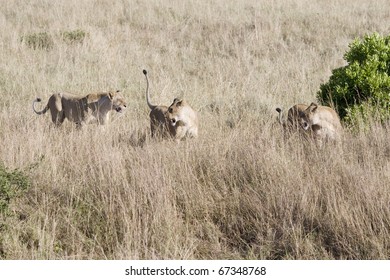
(241, 190)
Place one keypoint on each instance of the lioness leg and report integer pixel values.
(158, 123)
(156, 128)
(57, 117)
(55, 105)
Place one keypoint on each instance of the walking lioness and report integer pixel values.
(82, 110)
(177, 121)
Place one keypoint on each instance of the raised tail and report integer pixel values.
(147, 91)
(39, 112)
(280, 115)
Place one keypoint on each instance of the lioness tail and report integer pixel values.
(39, 112)
(280, 115)
(147, 91)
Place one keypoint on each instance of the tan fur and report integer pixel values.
(183, 120)
(82, 110)
(293, 116)
(323, 121)
(159, 126)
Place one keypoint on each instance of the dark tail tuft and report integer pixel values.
(145, 72)
(278, 110)
(38, 99)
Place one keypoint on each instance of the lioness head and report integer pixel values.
(174, 112)
(118, 103)
(306, 118)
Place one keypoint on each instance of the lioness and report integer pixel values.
(183, 120)
(159, 125)
(323, 121)
(293, 116)
(82, 110)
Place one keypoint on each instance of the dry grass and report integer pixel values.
(241, 190)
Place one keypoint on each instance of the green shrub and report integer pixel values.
(12, 183)
(360, 91)
(75, 36)
(40, 40)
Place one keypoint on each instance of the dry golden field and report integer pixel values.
(241, 190)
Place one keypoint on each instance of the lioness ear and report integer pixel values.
(178, 102)
(313, 107)
(111, 95)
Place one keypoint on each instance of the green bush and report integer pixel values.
(360, 91)
(12, 183)
(40, 40)
(75, 36)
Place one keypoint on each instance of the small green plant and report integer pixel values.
(75, 36)
(41, 40)
(12, 183)
(360, 91)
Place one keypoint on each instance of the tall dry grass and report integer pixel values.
(242, 190)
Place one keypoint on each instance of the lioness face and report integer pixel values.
(306, 118)
(305, 122)
(173, 113)
(118, 103)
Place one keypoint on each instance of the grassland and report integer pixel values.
(240, 191)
